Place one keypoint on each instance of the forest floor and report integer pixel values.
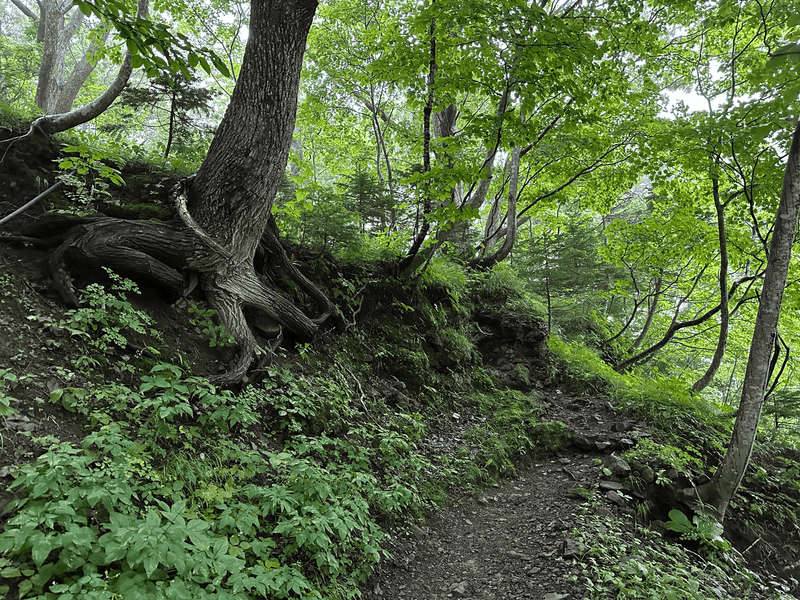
(529, 538)
(525, 538)
(515, 540)
(562, 529)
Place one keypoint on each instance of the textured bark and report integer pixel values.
(718, 492)
(413, 259)
(55, 38)
(225, 209)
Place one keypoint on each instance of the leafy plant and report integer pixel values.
(109, 316)
(217, 334)
(702, 528)
(88, 172)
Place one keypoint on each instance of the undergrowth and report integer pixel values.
(617, 562)
(284, 490)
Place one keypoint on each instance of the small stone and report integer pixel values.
(555, 596)
(602, 511)
(615, 498)
(583, 442)
(617, 465)
(572, 548)
(603, 446)
(648, 475)
(610, 485)
(515, 554)
(418, 532)
(458, 589)
(564, 461)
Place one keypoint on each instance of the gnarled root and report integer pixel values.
(162, 253)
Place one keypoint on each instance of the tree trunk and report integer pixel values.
(724, 313)
(718, 492)
(225, 209)
(69, 90)
(486, 262)
(55, 123)
(651, 312)
(56, 38)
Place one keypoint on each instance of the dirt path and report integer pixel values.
(512, 541)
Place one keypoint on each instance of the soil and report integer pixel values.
(516, 541)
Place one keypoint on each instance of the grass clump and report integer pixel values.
(681, 418)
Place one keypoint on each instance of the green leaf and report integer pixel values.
(150, 563)
(85, 8)
(41, 551)
(10, 572)
(25, 586)
(679, 522)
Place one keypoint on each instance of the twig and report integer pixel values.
(758, 539)
(22, 209)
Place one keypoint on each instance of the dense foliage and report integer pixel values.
(610, 169)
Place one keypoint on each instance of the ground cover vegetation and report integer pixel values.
(477, 201)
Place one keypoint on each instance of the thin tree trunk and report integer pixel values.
(50, 124)
(70, 89)
(511, 212)
(720, 490)
(724, 312)
(651, 312)
(409, 263)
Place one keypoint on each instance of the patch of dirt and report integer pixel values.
(515, 541)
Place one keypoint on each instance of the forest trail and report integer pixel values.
(527, 538)
(514, 541)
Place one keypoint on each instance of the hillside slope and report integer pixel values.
(438, 448)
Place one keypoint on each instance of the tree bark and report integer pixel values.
(718, 492)
(489, 261)
(56, 38)
(225, 209)
(55, 123)
(25, 10)
(69, 90)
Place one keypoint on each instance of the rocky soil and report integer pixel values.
(517, 541)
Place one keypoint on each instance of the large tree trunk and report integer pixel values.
(718, 492)
(231, 198)
(225, 209)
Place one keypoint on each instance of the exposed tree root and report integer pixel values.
(167, 255)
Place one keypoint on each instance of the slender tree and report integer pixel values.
(718, 492)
